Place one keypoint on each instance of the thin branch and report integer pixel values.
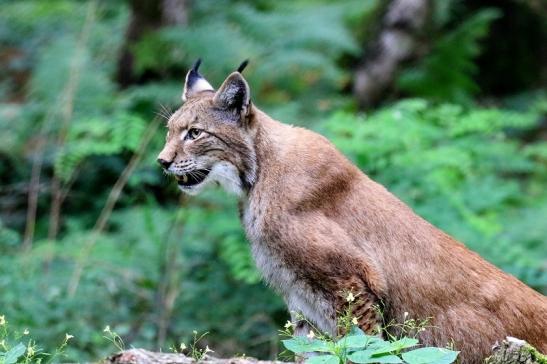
(66, 115)
(169, 288)
(106, 212)
(32, 200)
(38, 161)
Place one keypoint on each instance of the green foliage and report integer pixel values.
(114, 338)
(193, 350)
(19, 347)
(12, 355)
(429, 356)
(9, 238)
(299, 31)
(464, 170)
(446, 74)
(293, 54)
(358, 347)
(98, 137)
(368, 349)
(150, 256)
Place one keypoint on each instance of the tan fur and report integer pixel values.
(318, 226)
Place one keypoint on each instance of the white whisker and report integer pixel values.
(164, 112)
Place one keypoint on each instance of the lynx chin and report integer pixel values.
(319, 228)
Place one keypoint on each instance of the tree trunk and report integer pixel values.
(397, 41)
(147, 15)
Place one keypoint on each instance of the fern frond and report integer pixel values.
(446, 74)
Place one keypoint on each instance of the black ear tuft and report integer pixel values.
(196, 65)
(193, 75)
(242, 66)
(195, 83)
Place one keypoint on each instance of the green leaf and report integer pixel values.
(386, 359)
(405, 342)
(356, 331)
(430, 356)
(358, 341)
(14, 353)
(304, 345)
(361, 356)
(457, 48)
(366, 356)
(323, 359)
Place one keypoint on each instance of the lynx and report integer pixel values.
(319, 227)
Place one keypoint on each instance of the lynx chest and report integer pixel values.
(281, 275)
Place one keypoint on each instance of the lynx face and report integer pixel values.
(209, 139)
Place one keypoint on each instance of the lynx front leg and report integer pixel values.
(311, 315)
(356, 299)
(301, 328)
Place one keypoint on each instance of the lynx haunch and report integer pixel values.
(319, 227)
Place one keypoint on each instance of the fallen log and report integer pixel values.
(509, 351)
(515, 351)
(141, 356)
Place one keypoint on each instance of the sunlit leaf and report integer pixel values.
(396, 346)
(300, 344)
(14, 353)
(430, 355)
(323, 359)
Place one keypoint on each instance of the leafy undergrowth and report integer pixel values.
(19, 347)
(357, 347)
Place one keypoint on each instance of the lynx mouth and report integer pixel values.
(192, 178)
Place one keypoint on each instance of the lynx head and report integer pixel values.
(210, 138)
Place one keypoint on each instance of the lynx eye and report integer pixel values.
(193, 133)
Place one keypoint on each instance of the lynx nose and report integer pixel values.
(165, 164)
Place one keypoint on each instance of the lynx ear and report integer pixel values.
(234, 95)
(195, 83)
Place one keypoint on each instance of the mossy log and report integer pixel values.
(515, 351)
(510, 351)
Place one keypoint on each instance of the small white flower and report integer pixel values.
(68, 337)
(182, 346)
(194, 332)
(288, 324)
(350, 297)
(354, 321)
(405, 315)
(2, 320)
(26, 332)
(311, 335)
(107, 328)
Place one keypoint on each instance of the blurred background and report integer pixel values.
(442, 101)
